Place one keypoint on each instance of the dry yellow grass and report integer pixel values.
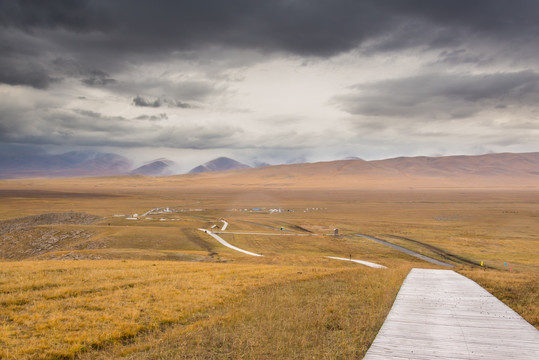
(58, 309)
(330, 317)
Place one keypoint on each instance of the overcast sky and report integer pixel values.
(277, 81)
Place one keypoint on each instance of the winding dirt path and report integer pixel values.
(225, 243)
(362, 262)
(222, 241)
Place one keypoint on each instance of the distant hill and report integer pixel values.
(482, 171)
(352, 158)
(159, 167)
(32, 161)
(219, 164)
(489, 165)
(258, 163)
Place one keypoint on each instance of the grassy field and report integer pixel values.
(328, 317)
(105, 286)
(62, 308)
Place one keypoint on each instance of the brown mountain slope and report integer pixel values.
(483, 165)
(219, 164)
(484, 171)
(492, 171)
(159, 167)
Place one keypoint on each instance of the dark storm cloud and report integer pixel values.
(305, 27)
(31, 75)
(98, 78)
(107, 34)
(441, 96)
(24, 71)
(75, 15)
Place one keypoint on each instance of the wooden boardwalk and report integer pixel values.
(439, 314)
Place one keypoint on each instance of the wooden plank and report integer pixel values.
(439, 314)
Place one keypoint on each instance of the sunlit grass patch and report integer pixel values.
(58, 308)
(330, 317)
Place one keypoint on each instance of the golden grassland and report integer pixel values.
(162, 289)
(329, 317)
(61, 308)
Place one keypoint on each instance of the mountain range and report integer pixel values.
(159, 167)
(219, 164)
(505, 170)
(490, 169)
(32, 161)
(22, 161)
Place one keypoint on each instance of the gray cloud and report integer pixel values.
(166, 89)
(442, 95)
(110, 33)
(98, 78)
(15, 72)
(72, 68)
(158, 117)
(463, 56)
(182, 105)
(26, 70)
(144, 102)
(309, 27)
(183, 55)
(79, 127)
(67, 14)
(140, 101)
